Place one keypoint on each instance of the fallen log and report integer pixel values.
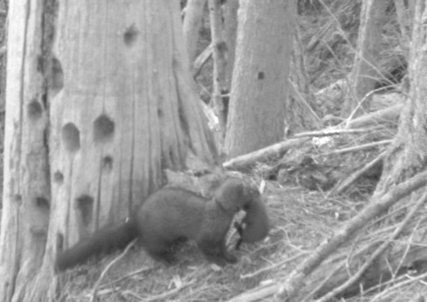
(245, 162)
(388, 115)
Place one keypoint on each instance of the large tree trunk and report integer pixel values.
(366, 69)
(99, 101)
(408, 154)
(260, 76)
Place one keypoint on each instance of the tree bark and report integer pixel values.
(230, 34)
(99, 102)
(407, 155)
(302, 109)
(220, 52)
(405, 19)
(366, 70)
(192, 24)
(260, 76)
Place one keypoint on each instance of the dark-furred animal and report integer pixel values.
(255, 225)
(171, 216)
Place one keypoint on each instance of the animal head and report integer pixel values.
(234, 195)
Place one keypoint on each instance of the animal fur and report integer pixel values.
(171, 216)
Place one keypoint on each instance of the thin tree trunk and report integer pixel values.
(408, 153)
(192, 24)
(219, 63)
(230, 34)
(405, 18)
(260, 76)
(26, 193)
(366, 70)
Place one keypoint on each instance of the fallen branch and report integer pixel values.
(104, 272)
(137, 272)
(202, 59)
(348, 285)
(384, 115)
(343, 185)
(258, 294)
(359, 148)
(271, 267)
(291, 286)
(247, 161)
(331, 132)
(166, 295)
(296, 279)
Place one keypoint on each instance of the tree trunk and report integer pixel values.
(366, 70)
(405, 19)
(407, 155)
(191, 26)
(260, 76)
(230, 34)
(99, 101)
(219, 64)
(301, 107)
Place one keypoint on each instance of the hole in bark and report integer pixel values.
(130, 35)
(261, 75)
(107, 163)
(42, 203)
(44, 100)
(103, 128)
(160, 113)
(222, 47)
(46, 137)
(40, 64)
(71, 137)
(38, 232)
(17, 198)
(85, 205)
(56, 79)
(34, 110)
(58, 177)
(59, 242)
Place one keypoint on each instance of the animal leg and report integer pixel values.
(216, 252)
(161, 251)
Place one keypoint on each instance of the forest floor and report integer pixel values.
(300, 221)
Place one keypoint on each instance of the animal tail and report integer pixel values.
(102, 241)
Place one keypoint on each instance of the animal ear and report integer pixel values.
(251, 191)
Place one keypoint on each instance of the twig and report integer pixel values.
(202, 59)
(279, 264)
(246, 161)
(309, 297)
(342, 186)
(104, 272)
(411, 280)
(377, 253)
(359, 104)
(168, 294)
(142, 270)
(361, 147)
(330, 132)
